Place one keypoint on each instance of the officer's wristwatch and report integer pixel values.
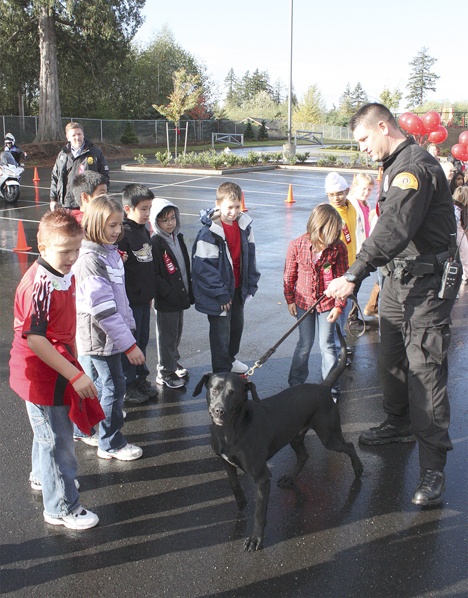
(350, 277)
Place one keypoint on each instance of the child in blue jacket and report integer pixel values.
(225, 275)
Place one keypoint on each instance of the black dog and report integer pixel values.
(248, 433)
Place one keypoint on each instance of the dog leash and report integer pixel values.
(269, 353)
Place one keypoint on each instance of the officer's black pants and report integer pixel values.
(415, 336)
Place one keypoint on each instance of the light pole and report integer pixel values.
(291, 12)
(289, 149)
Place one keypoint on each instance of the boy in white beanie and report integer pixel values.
(337, 190)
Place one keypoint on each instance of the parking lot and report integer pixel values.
(169, 525)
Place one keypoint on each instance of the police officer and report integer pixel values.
(77, 156)
(412, 239)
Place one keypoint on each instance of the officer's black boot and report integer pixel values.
(429, 490)
(387, 432)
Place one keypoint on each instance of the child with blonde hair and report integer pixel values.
(312, 261)
(105, 321)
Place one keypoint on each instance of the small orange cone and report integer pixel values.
(243, 208)
(23, 262)
(379, 175)
(290, 198)
(37, 194)
(36, 178)
(21, 244)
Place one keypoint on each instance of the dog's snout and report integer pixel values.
(219, 410)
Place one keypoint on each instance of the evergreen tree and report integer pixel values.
(262, 132)
(358, 97)
(85, 34)
(249, 134)
(422, 79)
(232, 84)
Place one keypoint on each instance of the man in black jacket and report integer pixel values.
(412, 240)
(77, 156)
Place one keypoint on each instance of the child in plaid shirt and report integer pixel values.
(312, 261)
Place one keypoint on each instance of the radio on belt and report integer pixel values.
(451, 279)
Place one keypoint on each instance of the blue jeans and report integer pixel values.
(137, 373)
(106, 373)
(169, 325)
(53, 458)
(225, 335)
(326, 334)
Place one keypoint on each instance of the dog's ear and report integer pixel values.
(199, 386)
(253, 389)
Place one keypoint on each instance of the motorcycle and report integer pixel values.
(10, 174)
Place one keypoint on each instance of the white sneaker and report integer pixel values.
(91, 440)
(35, 485)
(79, 519)
(181, 371)
(128, 453)
(239, 368)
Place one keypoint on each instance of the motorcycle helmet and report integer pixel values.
(9, 139)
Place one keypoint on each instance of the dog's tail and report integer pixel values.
(333, 376)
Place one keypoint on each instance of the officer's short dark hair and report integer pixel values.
(134, 193)
(370, 115)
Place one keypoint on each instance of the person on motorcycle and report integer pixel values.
(15, 150)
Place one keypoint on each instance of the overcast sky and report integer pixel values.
(334, 43)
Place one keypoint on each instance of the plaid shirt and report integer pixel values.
(304, 281)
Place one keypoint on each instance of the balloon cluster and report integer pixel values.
(427, 125)
(460, 149)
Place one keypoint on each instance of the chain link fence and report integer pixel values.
(154, 132)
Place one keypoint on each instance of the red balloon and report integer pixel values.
(463, 139)
(460, 152)
(431, 121)
(403, 118)
(439, 135)
(414, 125)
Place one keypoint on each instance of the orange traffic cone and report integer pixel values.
(243, 208)
(23, 262)
(36, 178)
(21, 244)
(379, 174)
(290, 198)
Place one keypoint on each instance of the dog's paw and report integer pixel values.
(253, 543)
(285, 481)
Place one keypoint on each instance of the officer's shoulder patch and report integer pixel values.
(405, 180)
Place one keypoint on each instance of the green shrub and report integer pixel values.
(216, 160)
(129, 136)
(141, 159)
(163, 157)
(265, 157)
(302, 157)
(231, 159)
(253, 158)
(277, 157)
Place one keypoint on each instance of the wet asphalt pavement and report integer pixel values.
(169, 525)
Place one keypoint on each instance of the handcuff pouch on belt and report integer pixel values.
(403, 269)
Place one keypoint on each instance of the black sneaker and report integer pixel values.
(148, 389)
(134, 395)
(170, 380)
(429, 490)
(386, 433)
